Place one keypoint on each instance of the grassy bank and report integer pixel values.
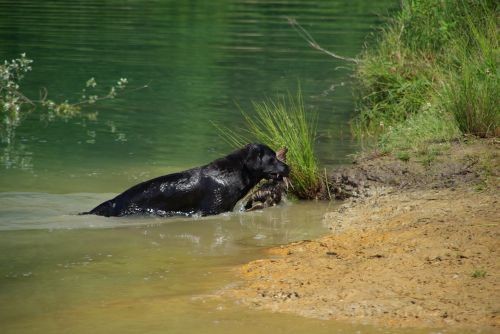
(428, 78)
(431, 76)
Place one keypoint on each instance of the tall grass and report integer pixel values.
(284, 122)
(432, 71)
(472, 91)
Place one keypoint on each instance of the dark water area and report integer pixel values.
(201, 61)
(63, 273)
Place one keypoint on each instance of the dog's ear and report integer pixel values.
(281, 154)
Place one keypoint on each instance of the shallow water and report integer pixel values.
(64, 273)
(142, 274)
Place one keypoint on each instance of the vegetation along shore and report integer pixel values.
(415, 244)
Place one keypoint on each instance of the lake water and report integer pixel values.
(202, 61)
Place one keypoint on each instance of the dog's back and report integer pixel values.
(106, 209)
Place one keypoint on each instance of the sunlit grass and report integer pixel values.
(284, 122)
(431, 75)
(472, 90)
(417, 131)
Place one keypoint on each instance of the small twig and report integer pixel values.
(110, 96)
(312, 42)
(43, 94)
(327, 186)
(139, 88)
(26, 99)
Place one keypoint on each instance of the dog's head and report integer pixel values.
(263, 161)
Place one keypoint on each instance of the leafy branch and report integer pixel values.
(14, 105)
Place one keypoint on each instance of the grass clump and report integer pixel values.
(431, 75)
(471, 92)
(478, 273)
(403, 156)
(416, 132)
(284, 122)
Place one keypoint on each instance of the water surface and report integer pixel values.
(64, 273)
(75, 274)
(201, 59)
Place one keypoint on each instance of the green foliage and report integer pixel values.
(11, 99)
(471, 92)
(474, 100)
(403, 156)
(432, 71)
(479, 273)
(14, 105)
(283, 122)
(416, 132)
(393, 84)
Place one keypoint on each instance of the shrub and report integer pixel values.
(440, 52)
(471, 91)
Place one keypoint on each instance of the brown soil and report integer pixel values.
(416, 247)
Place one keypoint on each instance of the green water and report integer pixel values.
(63, 273)
(201, 60)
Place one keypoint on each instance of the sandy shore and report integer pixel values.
(419, 248)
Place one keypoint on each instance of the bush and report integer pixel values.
(440, 52)
(471, 91)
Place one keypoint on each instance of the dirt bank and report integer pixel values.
(417, 246)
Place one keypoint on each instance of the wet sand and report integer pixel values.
(412, 252)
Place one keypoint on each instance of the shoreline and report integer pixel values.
(414, 246)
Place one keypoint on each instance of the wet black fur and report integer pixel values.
(205, 190)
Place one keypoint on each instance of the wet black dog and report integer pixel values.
(205, 190)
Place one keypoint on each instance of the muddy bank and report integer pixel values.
(469, 162)
(415, 245)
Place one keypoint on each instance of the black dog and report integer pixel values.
(205, 190)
